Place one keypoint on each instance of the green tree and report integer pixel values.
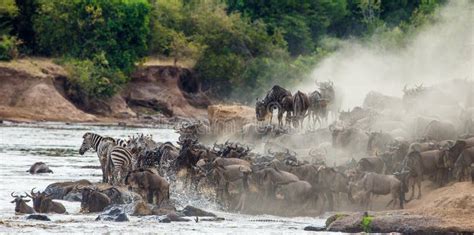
(86, 28)
(8, 12)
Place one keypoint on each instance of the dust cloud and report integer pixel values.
(438, 53)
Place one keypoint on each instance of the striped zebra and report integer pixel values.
(106, 147)
(119, 163)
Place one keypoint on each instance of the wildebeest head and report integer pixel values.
(261, 110)
(18, 200)
(38, 198)
(86, 143)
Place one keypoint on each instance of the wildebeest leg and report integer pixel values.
(413, 181)
(150, 195)
(418, 182)
(280, 117)
(330, 200)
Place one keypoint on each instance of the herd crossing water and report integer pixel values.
(57, 144)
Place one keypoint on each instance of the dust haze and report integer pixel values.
(436, 54)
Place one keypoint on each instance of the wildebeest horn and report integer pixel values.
(270, 152)
(13, 195)
(32, 193)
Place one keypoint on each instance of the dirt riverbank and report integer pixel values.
(36, 89)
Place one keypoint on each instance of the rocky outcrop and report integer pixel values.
(38, 89)
(229, 118)
(167, 90)
(29, 93)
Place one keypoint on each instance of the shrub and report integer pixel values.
(93, 79)
(9, 47)
(84, 28)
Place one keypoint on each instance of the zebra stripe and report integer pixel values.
(121, 143)
(120, 162)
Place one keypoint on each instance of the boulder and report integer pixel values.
(193, 211)
(113, 214)
(229, 118)
(38, 217)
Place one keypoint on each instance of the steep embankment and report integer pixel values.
(446, 209)
(37, 89)
(27, 92)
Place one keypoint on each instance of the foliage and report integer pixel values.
(239, 46)
(86, 28)
(181, 48)
(302, 22)
(8, 47)
(23, 24)
(366, 223)
(8, 12)
(93, 79)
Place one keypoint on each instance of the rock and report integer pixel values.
(73, 197)
(162, 89)
(38, 217)
(60, 189)
(161, 211)
(348, 224)
(313, 228)
(141, 208)
(173, 216)
(113, 214)
(333, 218)
(193, 211)
(221, 116)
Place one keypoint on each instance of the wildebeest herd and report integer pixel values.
(367, 151)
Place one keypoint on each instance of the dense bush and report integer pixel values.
(238, 46)
(92, 79)
(8, 47)
(85, 28)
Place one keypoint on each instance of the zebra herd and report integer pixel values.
(115, 159)
(315, 105)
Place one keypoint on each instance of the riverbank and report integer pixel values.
(37, 89)
(449, 209)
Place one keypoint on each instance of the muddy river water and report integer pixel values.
(57, 144)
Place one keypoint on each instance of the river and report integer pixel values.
(57, 144)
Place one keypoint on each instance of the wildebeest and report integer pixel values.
(151, 185)
(328, 92)
(437, 130)
(352, 139)
(371, 164)
(377, 184)
(379, 142)
(42, 203)
(230, 174)
(431, 163)
(300, 108)
(464, 163)
(20, 205)
(298, 192)
(317, 107)
(277, 98)
(93, 200)
(269, 178)
(39, 167)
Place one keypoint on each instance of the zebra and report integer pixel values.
(119, 162)
(276, 98)
(106, 147)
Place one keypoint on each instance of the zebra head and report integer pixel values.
(87, 142)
